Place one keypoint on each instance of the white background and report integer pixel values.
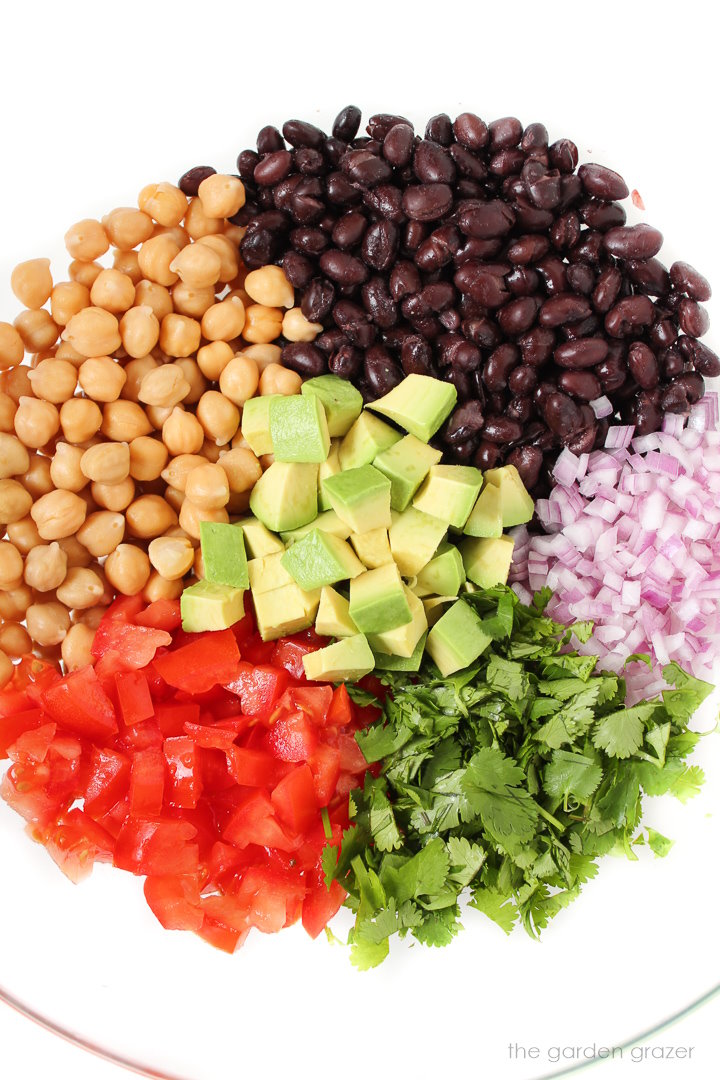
(98, 100)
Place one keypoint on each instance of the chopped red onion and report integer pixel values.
(602, 407)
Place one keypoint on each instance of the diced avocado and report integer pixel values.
(208, 606)
(486, 517)
(449, 493)
(387, 662)
(268, 573)
(321, 559)
(414, 539)
(341, 401)
(223, 553)
(330, 467)
(435, 606)
(372, 548)
(333, 616)
(299, 428)
(361, 497)
(403, 639)
(343, 661)
(487, 561)
(443, 575)
(255, 425)
(367, 438)
(516, 503)
(259, 541)
(420, 404)
(378, 601)
(284, 611)
(327, 522)
(406, 464)
(457, 638)
(285, 496)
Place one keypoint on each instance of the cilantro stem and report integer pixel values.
(327, 827)
(548, 817)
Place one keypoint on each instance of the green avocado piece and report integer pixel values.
(343, 661)
(406, 464)
(435, 605)
(223, 553)
(327, 522)
(516, 502)
(255, 425)
(403, 640)
(268, 573)
(449, 493)
(457, 639)
(420, 404)
(372, 548)
(333, 615)
(414, 539)
(259, 541)
(486, 517)
(361, 497)
(284, 611)
(443, 575)
(329, 467)
(487, 561)
(285, 496)
(388, 662)
(321, 559)
(378, 601)
(367, 438)
(299, 429)
(341, 401)
(209, 606)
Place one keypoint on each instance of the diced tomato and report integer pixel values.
(147, 782)
(209, 736)
(271, 898)
(185, 785)
(258, 688)
(12, 726)
(108, 781)
(133, 695)
(161, 847)
(222, 937)
(325, 767)
(203, 663)
(313, 701)
(79, 703)
(351, 756)
(23, 789)
(75, 843)
(119, 645)
(161, 614)
(289, 652)
(142, 736)
(254, 768)
(320, 903)
(294, 799)
(254, 822)
(175, 902)
(172, 716)
(33, 745)
(292, 738)
(340, 712)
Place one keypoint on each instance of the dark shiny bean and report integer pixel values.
(365, 168)
(603, 183)
(416, 356)
(439, 296)
(672, 362)
(439, 248)
(580, 384)
(643, 366)
(470, 131)
(499, 365)
(468, 166)
(378, 303)
(355, 323)
(520, 409)
(343, 268)
(465, 423)
(693, 318)
(381, 371)
(304, 357)
(522, 281)
(273, 168)
(306, 210)
(300, 133)
(191, 180)
(487, 455)
(522, 380)
(482, 331)
(506, 162)
(415, 232)
(562, 415)
(505, 133)
(432, 164)
(704, 360)
(633, 241)
(543, 187)
(333, 149)
(340, 191)
(461, 380)
(686, 279)
(600, 215)
(450, 318)
(662, 334)
(528, 462)
(535, 137)
(518, 316)
(348, 230)
(347, 123)
(485, 221)
(308, 241)
(674, 399)
(588, 248)
(318, 300)
(464, 355)
(537, 346)
(385, 200)
(379, 124)
(565, 231)
(649, 275)
(310, 162)
(404, 280)
(427, 202)
(645, 414)
(581, 278)
(583, 442)
(629, 315)
(692, 383)
(298, 269)
(554, 274)
(474, 248)
(260, 247)
(607, 289)
(269, 140)
(542, 392)
(583, 353)
(528, 249)
(564, 308)
(531, 218)
(486, 288)
(588, 327)
(501, 430)
(331, 340)
(346, 362)
(563, 155)
(380, 245)
(398, 145)
(439, 129)
(612, 372)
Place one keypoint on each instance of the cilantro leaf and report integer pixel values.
(497, 905)
(571, 774)
(621, 733)
(508, 811)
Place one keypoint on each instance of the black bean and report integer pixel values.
(348, 230)
(537, 346)
(398, 145)
(588, 327)
(482, 331)
(380, 245)
(686, 279)
(522, 379)
(470, 131)
(693, 385)
(543, 187)
(505, 133)
(522, 281)
(346, 124)
(487, 455)
(672, 362)
(487, 288)
(343, 268)
(259, 247)
(563, 155)
(506, 162)
(318, 300)
(439, 129)
(554, 274)
(565, 231)
(485, 221)
(298, 269)
(191, 180)
(450, 318)
(432, 164)
(564, 308)
(334, 149)
(416, 356)
(583, 353)
(674, 399)
(704, 359)
(581, 278)
(528, 249)
(588, 248)
(603, 183)
(518, 316)
(427, 202)
(643, 365)
(629, 315)
(645, 415)
(693, 318)
(364, 167)
(501, 430)
(633, 241)
(378, 303)
(468, 166)
(464, 423)
(269, 140)
(308, 241)
(340, 191)
(561, 414)
(346, 362)
(300, 133)
(607, 289)
(310, 162)
(649, 275)
(379, 124)
(662, 334)
(535, 137)
(474, 248)
(601, 215)
(499, 366)
(404, 280)
(381, 371)
(528, 462)
(580, 384)
(612, 373)
(414, 233)
(273, 168)
(304, 357)
(520, 409)
(331, 340)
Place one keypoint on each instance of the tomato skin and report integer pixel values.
(351, 756)
(221, 937)
(108, 781)
(258, 688)
(294, 799)
(201, 664)
(289, 652)
(321, 904)
(325, 767)
(133, 695)
(75, 842)
(13, 725)
(313, 701)
(254, 823)
(174, 901)
(340, 713)
(161, 615)
(33, 745)
(172, 716)
(185, 785)
(120, 645)
(161, 847)
(147, 782)
(292, 738)
(254, 768)
(79, 703)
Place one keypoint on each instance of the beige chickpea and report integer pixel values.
(242, 468)
(65, 471)
(179, 335)
(67, 299)
(197, 265)
(58, 514)
(241, 295)
(156, 297)
(228, 252)
(175, 498)
(219, 417)
(128, 262)
(263, 355)
(164, 386)
(82, 588)
(211, 450)
(175, 232)
(262, 324)
(182, 433)
(123, 421)
(213, 358)
(179, 468)
(221, 195)
(36, 329)
(15, 382)
(8, 408)
(159, 588)
(85, 273)
(194, 376)
(239, 379)
(32, 282)
(155, 257)
(106, 463)
(37, 478)
(86, 240)
(14, 458)
(102, 532)
(45, 567)
(7, 670)
(65, 351)
(48, 623)
(80, 419)
(207, 486)
(36, 422)
(296, 327)
(115, 497)
(157, 415)
(276, 379)
(128, 227)
(148, 458)
(75, 553)
(270, 287)
(149, 516)
(164, 202)
(23, 534)
(197, 223)
(127, 569)
(76, 647)
(199, 565)
(101, 378)
(135, 371)
(224, 321)
(54, 380)
(14, 640)
(93, 332)
(12, 348)
(234, 233)
(15, 602)
(113, 291)
(191, 300)
(91, 617)
(139, 330)
(171, 556)
(191, 515)
(11, 566)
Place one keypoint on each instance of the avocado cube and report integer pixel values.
(329, 467)
(268, 573)
(457, 639)
(406, 464)
(449, 493)
(389, 662)
(367, 438)
(299, 429)
(327, 522)
(284, 611)
(343, 661)
(361, 497)
(486, 517)
(285, 496)
(378, 601)
(341, 401)
(515, 501)
(333, 615)
(223, 553)
(321, 559)
(259, 541)
(209, 606)
(414, 539)
(420, 404)
(372, 548)
(434, 607)
(487, 561)
(443, 575)
(255, 425)
(403, 640)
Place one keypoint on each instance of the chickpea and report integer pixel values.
(179, 468)
(15, 501)
(14, 458)
(159, 588)
(45, 567)
(276, 379)
(11, 566)
(48, 623)
(135, 371)
(85, 273)
(221, 196)
(191, 516)
(171, 556)
(155, 257)
(86, 240)
(182, 433)
(270, 287)
(239, 379)
(37, 331)
(36, 422)
(157, 297)
(174, 497)
(241, 295)
(24, 535)
(37, 478)
(191, 300)
(123, 421)
(127, 569)
(65, 471)
(296, 327)
(76, 647)
(197, 223)
(149, 516)
(101, 378)
(242, 468)
(128, 262)
(8, 408)
(164, 202)
(80, 419)
(65, 351)
(67, 299)
(228, 252)
(14, 640)
(115, 497)
(113, 291)
(262, 324)
(58, 514)
(82, 588)
(175, 232)
(164, 386)
(101, 533)
(128, 227)
(224, 321)
(106, 463)
(211, 450)
(234, 233)
(157, 415)
(213, 358)
(179, 335)
(207, 486)
(139, 330)
(219, 417)
(15, 602)
(266, 461)
(7, 670)
(148, 457)
(16, 383)
(263, 355)
(197, 265)
(32, 282)
(54, 380)
(194, 376)
(199, 565)
(93, 332)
